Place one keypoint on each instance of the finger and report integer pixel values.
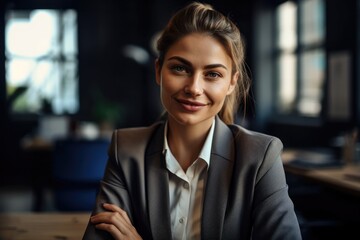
(116, 226)
(113, 230)
(115, 219)
(115, 208)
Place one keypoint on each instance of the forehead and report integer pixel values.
(199, 48)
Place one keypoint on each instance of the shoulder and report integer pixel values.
(246, 143)
(135, 133)
(131, 141)
(254, 138)
(256, 150)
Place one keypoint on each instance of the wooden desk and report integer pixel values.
(43, 226)
(345, 178)
(326, 196)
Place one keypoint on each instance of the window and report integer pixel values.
(41, 61)
(286, 60)
(300, 57)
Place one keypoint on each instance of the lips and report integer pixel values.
(191, 105)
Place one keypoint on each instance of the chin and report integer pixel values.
(190, 120)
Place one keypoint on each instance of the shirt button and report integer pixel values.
(181, 220)
(186, 185)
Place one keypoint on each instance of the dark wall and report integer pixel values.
(342, 35)
(104, 31)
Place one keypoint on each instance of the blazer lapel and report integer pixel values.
(216, 192)
(157, 185)
(218, 182)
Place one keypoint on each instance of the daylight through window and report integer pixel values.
(41, 61)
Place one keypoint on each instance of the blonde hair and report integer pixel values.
(203, 18)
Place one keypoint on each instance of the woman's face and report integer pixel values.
(195, 78)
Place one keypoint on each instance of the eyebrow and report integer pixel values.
(186, 62)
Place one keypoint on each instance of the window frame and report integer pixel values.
(297, 51)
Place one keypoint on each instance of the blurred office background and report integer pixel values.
(77, 69)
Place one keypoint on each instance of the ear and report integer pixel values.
(158, 71)
(233, 83)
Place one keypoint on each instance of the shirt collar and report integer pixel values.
(205, 152)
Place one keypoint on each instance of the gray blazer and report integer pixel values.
(246, 194)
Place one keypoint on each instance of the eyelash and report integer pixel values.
(175, 68)
(217, 75)
(183, 69)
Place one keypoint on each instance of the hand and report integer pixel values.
(116, 222)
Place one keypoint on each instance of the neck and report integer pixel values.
(186, 141)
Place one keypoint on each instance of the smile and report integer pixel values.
(191, 105)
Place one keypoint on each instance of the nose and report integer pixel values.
(194, 87)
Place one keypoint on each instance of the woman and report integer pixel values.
(195, 175)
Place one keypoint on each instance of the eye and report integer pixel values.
(178, 68)
(213, 75)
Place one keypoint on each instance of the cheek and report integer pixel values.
(167, 91)
(218, 93)
(170, 86)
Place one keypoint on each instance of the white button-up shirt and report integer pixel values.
(186, 190)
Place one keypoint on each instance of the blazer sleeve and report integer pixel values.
(273, 212)
(123, 183)
(112, 189)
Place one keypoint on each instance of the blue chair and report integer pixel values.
(78, 166)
